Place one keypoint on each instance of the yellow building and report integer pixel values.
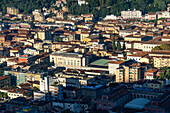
(128, 74)
(12, 10)
(43, 35)
(84, 35)
(137, 37)
(163, 61)
(24, 76)
(37, 85)
(68, 59)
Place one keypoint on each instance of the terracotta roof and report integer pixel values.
(152, 70)
(117, 62)
(4, 77)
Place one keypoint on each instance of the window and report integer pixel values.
(110, 105)
(104, 104)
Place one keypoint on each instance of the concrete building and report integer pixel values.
(80, 2)
(44, 84)
(43, 35)
(131, 14)
(114, 98)
(113, 65)
(128, 74)
(12, 11)
(163, 61)
(72, 60)
(56, 91)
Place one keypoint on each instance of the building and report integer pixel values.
(12, 11)
(41, 105)
(114, 98)
(44, 84)
(159, 105)
(92, 90)
(5, 81)
(137, 104)
(73, 106)
(137, 37)
(152, 16)
(19, 77)
(128, 74)
(41, 96)
(0, 17)
(168, 7)
(131, 14)
(61, 14)
(80, 2)
(16, 104)
(56, 91)
(72, 60)
(113, 65)
(24, 58)
(15, 93)
(43, 35)
(150, 74)
(163, 61)
(154, 85)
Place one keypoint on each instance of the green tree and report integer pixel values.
(5, 95)
(118, 45)
(1, 95)
(165, 47)
(113, 43)
(156, 48)
(162, 76)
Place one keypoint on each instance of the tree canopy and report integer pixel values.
(105, 7)
(162, 47)
(25, 6)
(97, 7)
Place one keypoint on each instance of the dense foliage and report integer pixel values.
(162, 47)
(104, 7)
(97, 7)
(25, 6)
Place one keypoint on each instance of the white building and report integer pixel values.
(44, 84)
(80, 2)
(113, 65)
(134, 57)
(110, 17)
(73, 106)
(131, 14)
(30, 51)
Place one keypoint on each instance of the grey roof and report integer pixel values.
(65, 54)
(138, 103)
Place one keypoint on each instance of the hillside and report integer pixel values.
(25, 6)
(97, 7)
(104, 7)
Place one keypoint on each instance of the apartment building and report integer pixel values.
(56, 91)
(12, 11)
(131, 14)
(19, 77)
(128, 74)
(162, 61)
(61, 14)
(113, 65)
(43, 35)
(69, 59)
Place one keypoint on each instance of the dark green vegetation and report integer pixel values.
(105, 7)
(162, 47)
(25, 6)
(97, 7)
